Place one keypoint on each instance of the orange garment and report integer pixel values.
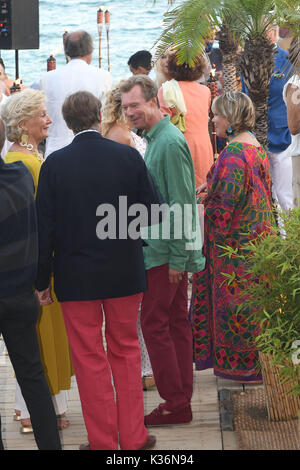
(197, 101)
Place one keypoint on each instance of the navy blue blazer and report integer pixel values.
(279, 135)
(18, 230)
(74, 181)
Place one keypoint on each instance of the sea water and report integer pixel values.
(134, 25)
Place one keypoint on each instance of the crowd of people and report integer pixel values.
(82, 158)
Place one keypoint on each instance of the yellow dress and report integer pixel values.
(51, 331)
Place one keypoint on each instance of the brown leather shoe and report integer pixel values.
(150, 442)
(84, 447)
(158, 418)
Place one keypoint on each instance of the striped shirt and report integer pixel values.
(18, 230)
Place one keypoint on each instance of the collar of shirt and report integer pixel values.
(87, 130)
(76, 61)
(157, 128)
(72, 59)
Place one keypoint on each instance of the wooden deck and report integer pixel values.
(203, 433)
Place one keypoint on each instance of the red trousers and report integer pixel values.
(106, 416)
(168, 337)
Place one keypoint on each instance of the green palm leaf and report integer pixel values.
(187, 25)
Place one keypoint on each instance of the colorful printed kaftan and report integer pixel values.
(237, 205)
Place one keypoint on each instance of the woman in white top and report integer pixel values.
(291, 96)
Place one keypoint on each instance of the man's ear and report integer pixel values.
(100, 117)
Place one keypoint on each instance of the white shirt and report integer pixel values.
(295, 145)
(57, 84)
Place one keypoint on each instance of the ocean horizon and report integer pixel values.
(133, 26)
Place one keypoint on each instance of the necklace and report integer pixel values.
(38, 155)
(233, 137)
(33, 151)
(252, 135)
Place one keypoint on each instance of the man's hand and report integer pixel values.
(44, 296)
(175, 276)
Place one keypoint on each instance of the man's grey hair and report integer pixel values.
(78, 44)
(149, 88)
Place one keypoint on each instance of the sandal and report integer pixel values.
(26, 427)
(17, 416)
(148, 382)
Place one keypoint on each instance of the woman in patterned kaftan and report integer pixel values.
(237, 206)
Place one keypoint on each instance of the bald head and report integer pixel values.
(2, 135)
(78, 44)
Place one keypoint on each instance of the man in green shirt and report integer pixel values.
(173, 249)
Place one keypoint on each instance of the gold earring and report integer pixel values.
(24, 142)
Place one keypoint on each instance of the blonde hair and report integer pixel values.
(20, 107)
(113, 112)
(237, 108)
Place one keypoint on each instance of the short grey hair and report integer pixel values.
(19, 107)
(78, 44)
(237, 108)
(149, 88)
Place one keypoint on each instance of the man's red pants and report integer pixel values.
(168, 337)
(106, 416)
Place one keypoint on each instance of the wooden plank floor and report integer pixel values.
(203, 433)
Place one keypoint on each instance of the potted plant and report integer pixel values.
(271, 289)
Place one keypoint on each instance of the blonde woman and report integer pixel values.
(115, 126)
(27, 124)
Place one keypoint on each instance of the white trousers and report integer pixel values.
(145, 360)
(296, 179)
(282, 176)
(60, 402)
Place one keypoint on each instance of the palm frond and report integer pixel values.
(187, 26)
(288, 15)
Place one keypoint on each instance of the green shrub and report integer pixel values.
(271, 290)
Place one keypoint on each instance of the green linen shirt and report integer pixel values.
(177, 240)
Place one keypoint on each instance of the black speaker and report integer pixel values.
(19, 24)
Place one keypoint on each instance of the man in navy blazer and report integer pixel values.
(278, 132)
(98, 268)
